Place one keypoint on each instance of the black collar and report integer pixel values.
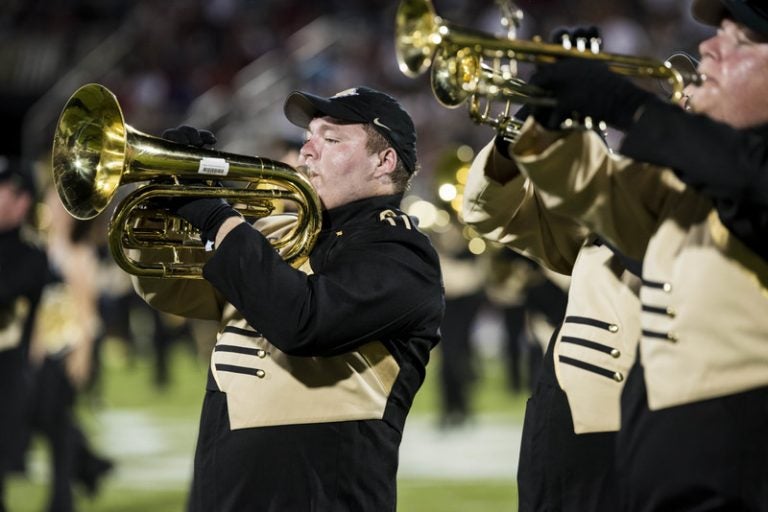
(11, 233)
(761, 130)
(360, 210)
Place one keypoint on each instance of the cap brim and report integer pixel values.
(300, 108)
(712, 12)
(709, 12)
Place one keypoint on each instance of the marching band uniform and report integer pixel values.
(567, 452)
(703, 361)
(313, 372)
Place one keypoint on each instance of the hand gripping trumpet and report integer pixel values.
(95, 152)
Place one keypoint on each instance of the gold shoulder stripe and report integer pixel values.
(391, 217)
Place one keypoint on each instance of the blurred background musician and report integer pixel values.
(24, 273)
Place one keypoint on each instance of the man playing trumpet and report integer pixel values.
(686, 194)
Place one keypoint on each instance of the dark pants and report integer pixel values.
(706, 456)
(345, 466)
(560, 470)
(457, 371)
(52, 415)
(514, 323)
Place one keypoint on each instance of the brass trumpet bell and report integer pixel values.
(95, 152)
(89, 147)
(417, 35)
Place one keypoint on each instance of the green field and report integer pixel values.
(151, 436)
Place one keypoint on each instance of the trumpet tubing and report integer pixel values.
(95, 153)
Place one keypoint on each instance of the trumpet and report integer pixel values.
(95, 152)
(423, 40)
(461, 77)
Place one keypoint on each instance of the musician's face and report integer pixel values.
(14, 206)
(735, 62)
(338, 162)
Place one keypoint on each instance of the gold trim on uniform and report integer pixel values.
(279, 389)
(292, 390)
(607, 305)
(715, 334)
(603, 327)
(714, 343)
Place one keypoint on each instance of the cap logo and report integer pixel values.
(379, 123)
(346, 92)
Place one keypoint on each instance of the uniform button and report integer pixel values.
(671, 336)
(618, 376)
(613, 328)
(260, 373)
(615, 353)
(261, 353)
(671, 312)
(667, 287)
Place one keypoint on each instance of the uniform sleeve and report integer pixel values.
(370, 289)
(513, 214)
(615, 197)
(727, 165)
(190, 298)
(196, 298)
(184, 297)
(719, 161)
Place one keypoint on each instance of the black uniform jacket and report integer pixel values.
(318, 366)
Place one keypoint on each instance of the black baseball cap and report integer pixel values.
(15, 171)
(750, 13)
(359, 105)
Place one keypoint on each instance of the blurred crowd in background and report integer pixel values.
(227, 65)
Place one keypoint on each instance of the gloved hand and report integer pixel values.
(568, 38)
(585, 37)
(190, 136)
(584, 87)
(206, 214)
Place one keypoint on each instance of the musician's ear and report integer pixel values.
(387, 162)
